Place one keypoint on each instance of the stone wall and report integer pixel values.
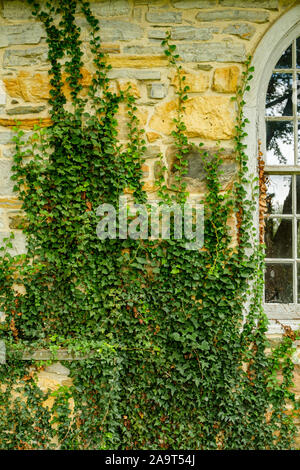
(213, 37)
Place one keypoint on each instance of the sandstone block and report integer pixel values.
(117, 30)
(197, 82)
(181, 33)
(152, 137)
(207, 117)
(152, 151)
(25, 110)
(18, 243)
(137, 61)
(16, 10)
(129, 85)
(226, 79)
(6, 187)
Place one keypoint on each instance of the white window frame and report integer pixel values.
(271, 47)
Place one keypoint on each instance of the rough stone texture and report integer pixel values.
(111, 8)
(186, 4)
(212, 51)
(21, 34)
(16, 10)
(196, 176)
(16, 221)
(27, 123)
(10, 203)
(130, 85)
(253, 16)
(147, 74)
(138, 61)
(163, 16)
(207, 117)
(242, 30)
(198, 82)
(185, 33)
(6, 187)
(226, 79)
(6, 137)
(117, 30)
(25, 110)
(152, 151)
(270, 4)
(21, 57)
(35, 86)
(18, 243)
(152, 137)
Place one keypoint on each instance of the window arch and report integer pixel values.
(273, 104)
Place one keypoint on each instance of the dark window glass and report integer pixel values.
(278, 238)
(285, 61)
(279, 283)
(280, 95)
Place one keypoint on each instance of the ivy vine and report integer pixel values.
(172, 361)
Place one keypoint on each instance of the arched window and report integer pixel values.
(273, 110)
(282, 237)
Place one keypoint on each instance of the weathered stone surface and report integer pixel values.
(25, 110)
(158, 91)
(20, 34)
(57, 368)
(10, 203)
(130, 85)
(117, 30)
(212, 51)
(226, 79)
(143, 50)
(254, 16)
(196, 175)
(16, 10)
(186, 4)
(185, 33)
(147, 74)
(197, 82)
(163, 16)
(207, 117)
(21, 57)
(152, 151)
(6, 137)
(27, 123)
(269, 4)
(242, 30)
(18, 243)
(111, 8)
(32, 86)
(16, 221)
(6, 187)
(137, 61)
(151, 137)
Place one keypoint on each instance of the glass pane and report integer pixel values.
(280, 143)
(279, 283)
(280, 95)
(278, 238)
(298, 52)
(298, 94)
(279, 194)
(298, 238)
(298, 281)
(285, 61)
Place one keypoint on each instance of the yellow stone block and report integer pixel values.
(226, 79)
(129, 85)
(197, 82)
(208, 117)
(26, 123)
(152, 136)
(132, 61)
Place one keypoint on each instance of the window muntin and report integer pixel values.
(282, 236)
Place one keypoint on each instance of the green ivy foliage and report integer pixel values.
(174, 340)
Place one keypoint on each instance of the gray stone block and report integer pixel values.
(214, 51)
(18, 243)
(117, 30)
(186, 4)
(31, 56)
(25, 110)
(21, 34)
(269, 4)
(152, 151)
(158, 91)
(138, 74)
(163, 16)
(242, 30)
(16, 10)
(111, 8)
(6, 187)
(185, 33)
(254, 16)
